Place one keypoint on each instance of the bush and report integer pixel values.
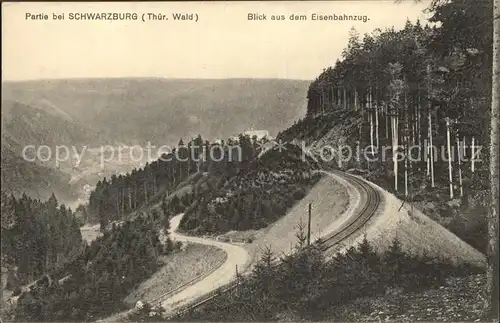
(308, 284)
(16, 291)
(299, 193)
(118, 260)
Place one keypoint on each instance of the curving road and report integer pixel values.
(364, 203)
(225, 274)
(237, 257)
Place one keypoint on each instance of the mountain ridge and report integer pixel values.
(128, 111)
(131, 109)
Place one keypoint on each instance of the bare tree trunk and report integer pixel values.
(419, 123)
(492, 271)
(135, 196)
(322, 102)
(377, 139)
(426, 146)
(406, 136)
(429, 108)
(325, 101)
(370, 117)
(397, 130)
(129, 198)
(406, 166)
(345, 98)
(459, 151)
(394, 126)
(464, 145)
(355, 99)
(448, 148)
(386, 123)
(123, 201)
(180, 177)
(319, 105)
(413, 131)
(332, 97)
(473, 153)
(431, 149)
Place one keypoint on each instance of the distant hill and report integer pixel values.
(20, 176)
(23, 124)
(93, 112)
(136, 110)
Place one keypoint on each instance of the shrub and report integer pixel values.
(298, 194)
(309, 285)
(16, 291)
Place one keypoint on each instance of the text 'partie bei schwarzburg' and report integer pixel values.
(112, 16)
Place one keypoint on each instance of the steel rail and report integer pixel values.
(349, 228)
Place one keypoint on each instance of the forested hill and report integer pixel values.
(116, 197)
(95, 283)
(24, 126)
(37, 237)
(257, 195)
(129, 111)
(138, 110)
(221, 186)
(400, 92)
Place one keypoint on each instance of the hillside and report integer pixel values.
(139, 110)
(26, 126)
(95, 112)
(38, 237)
(220, 187)
(19, 176)
(23, 124)
(397, 96)
(393, 97)
(465, 216)
(255, 196)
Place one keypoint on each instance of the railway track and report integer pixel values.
(365, 211)
(355, 223)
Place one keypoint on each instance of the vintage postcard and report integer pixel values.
(250, 161)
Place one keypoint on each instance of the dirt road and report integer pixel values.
(237, 256)
(335, 200)
(331, 210)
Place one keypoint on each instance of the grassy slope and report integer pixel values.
(341, 128)
(179, 269)
(329, 201)
(417, 233)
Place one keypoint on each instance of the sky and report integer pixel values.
(223, 43)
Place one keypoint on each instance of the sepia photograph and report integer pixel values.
(250, 161)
